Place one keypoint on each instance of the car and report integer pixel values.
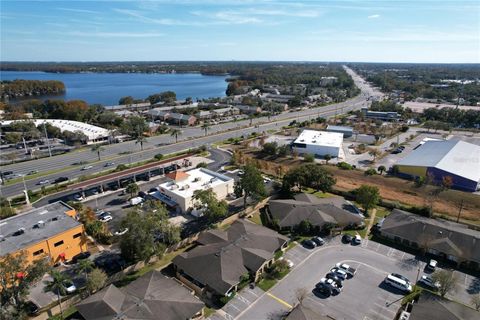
(240, 173)
(318, 241)
(429, 283)
(309, 244)
(43, 182)
(330, 283)
(32, 173)
(339, 273)
(153, 190)
(121, 232)
(401, 147)
(345, 267)
(142, 194)
(87, 168)
(401, 277)
(32, 308)
(333, 276)
(106, 218)
(323, 289)
(81, 256)
(346, 238)
(432, 265)
(60, 179)
(290, 264)
(99, 212)
(7, 173)
(69, 287)
(357, 240)
(78, 197)
(109, 164)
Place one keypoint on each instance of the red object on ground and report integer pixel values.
(20, 275)
(62, 256)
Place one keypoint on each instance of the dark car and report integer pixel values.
(318, 241)
(80, 256)
(323, 289)
(7, 173)
(142, 194)
(309, 244)
(60, 179)
(32, 308)
(347, 238)
(337, 280)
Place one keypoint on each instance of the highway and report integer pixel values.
(63, 165)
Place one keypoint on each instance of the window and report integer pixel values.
(77, 235)
(36, 253)
(57, 244)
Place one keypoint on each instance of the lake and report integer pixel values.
(108, 88)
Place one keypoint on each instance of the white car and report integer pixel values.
(332, 284)
(78, 197)
(341, 274)
(42, 182)
(105, 218)
(290, 264)
(428, 281)
(432, 265)
(121, 232)
(345, 267)
(86, 168)
(357, 239)
(69, 287)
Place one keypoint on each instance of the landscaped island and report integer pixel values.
(26, 88)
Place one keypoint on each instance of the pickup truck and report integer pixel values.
(136, 200)
(345, 267)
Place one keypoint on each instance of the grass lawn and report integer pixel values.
(66, 313)
(207, 312)
(266, 284)
(256, 218)
(290, 245)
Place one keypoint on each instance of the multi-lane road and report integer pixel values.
(64, 165)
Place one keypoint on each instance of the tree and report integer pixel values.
(175, 133)
(447, 281)
(141, 140)
(132, 188)
(327, 158)
(126, 100)
(368, 196)
(308, 175)
(57, 285)
(96, 280)
(16, 277)
(284, 151)
(97, 148)
(308, 157)
(84, 267)
(475, 301)
(207, 200)
(305, 227)
(251, 184)
(206, 126)
(134, 127)
(374, 152)
(381, 169)
(270, 148)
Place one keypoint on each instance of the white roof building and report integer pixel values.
(319, 143)
(182, 185)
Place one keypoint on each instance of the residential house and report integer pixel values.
(182, 119)
(431, 306)
(248, 109)
(224, 112)
(152, 296)
(318, 211)
(157, 114)
(302, 312)
(203, 115)
(451, 241)
(224, 257)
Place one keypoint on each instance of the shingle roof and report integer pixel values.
(177, 175)
(224, 256)
(447, 237)
(149, 297)
(318, 211)
(304, 313)
(431, 306)
(457, 157)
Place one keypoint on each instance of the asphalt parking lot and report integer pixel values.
(363, 297)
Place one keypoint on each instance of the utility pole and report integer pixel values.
(48, 141)
(460, 211)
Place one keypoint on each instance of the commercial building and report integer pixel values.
(289, 213)
(181, 186)
(439, 159)
(450, 241)
(152, 296)
(50, 231)
(346, 131)
(380, 115)
(319, 143)
(224, 257)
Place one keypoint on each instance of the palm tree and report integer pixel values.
(132, 188)
(381, 169)
(175, 133)
(97, 148)
(141, 140)
(206, 127)
(56, 285)
(374, 153)
(85, 266)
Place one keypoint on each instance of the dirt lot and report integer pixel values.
(391, 188)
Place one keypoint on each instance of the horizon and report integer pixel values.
(342, 31)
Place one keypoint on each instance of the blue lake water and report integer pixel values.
(108, 88)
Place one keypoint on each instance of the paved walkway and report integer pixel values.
(370, 224)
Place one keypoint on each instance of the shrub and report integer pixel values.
(158, 156)
(344, 166)
(121, 167)
(201, 165)
(371, 172)
(308, 157)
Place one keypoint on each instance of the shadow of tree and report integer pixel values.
(474, 286)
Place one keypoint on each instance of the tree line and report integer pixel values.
(25, 88)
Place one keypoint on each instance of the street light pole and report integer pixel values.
(46, 136)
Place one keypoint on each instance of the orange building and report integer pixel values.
(52, 231)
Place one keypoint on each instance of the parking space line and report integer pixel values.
(243, 299)
(279, 300)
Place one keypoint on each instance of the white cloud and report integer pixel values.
(116, 34)
(78, 10)
(374, 16)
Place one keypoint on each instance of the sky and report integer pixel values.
(269, 30)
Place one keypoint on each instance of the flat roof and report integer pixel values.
(198, 179)
(320, 138)
(339, 128)
(54, 220)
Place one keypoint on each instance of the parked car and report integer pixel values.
(333, 276)
(81, 256)
(43, 182)
(396, 151)
(331, 284)
(32, 173)
(429, 283)
(345, 267)
(7, 173)
(136, 200)
(121, 232)
(401, 277)
(432, 265)
(323, 289)
(87, 168)
(60, 179)
(78, 197)
(69, 287)
(106, 218)
(357, 240)
(109, 164)
(99, 212)
(339, 273)
(346, 238)
(32, 308)
(309, 244)
(318, 241)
